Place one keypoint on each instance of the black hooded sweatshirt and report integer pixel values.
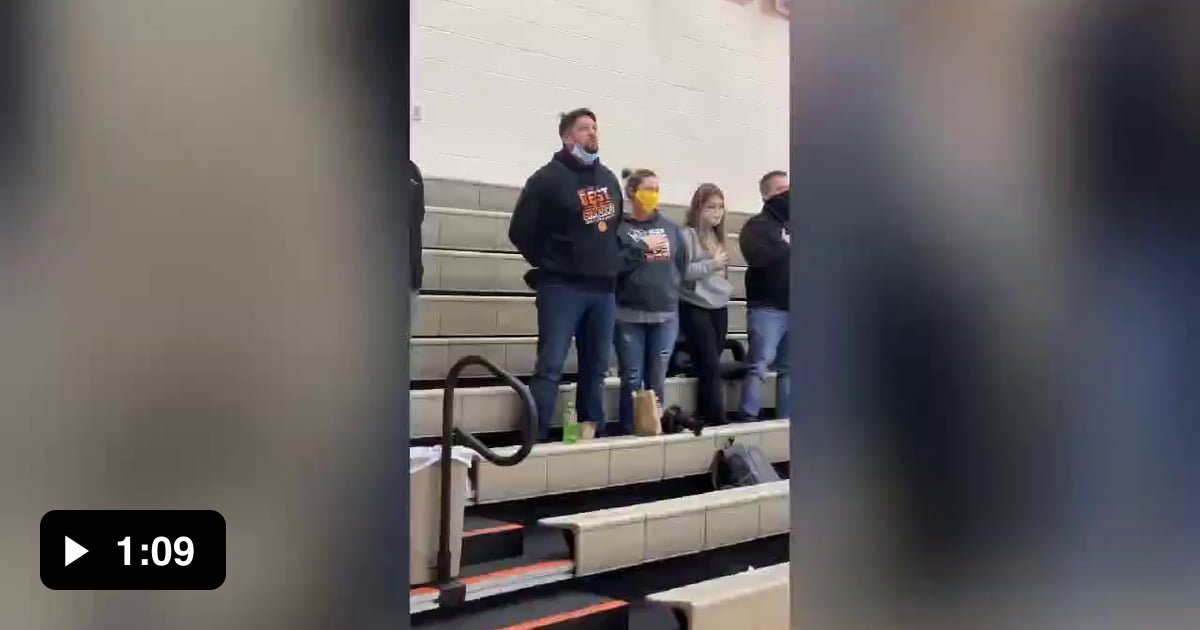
(766, 242)
(565, 223)
(417, 201)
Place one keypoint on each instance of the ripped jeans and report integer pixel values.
(643, 352)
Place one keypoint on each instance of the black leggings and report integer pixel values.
(705, 331)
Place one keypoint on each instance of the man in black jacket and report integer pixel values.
(766, 244)
(565, 226)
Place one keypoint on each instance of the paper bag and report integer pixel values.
(647, 413)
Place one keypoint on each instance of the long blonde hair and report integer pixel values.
(717, 240)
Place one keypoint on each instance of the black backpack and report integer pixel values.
(739, 465)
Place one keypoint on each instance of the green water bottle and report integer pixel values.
(570, 424)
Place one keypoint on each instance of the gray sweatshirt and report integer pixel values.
(705, 283)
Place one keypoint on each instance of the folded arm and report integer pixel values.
(762, 243)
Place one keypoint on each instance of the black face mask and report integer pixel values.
(781, 205)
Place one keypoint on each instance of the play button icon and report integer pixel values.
(72, 551)
(121, 550)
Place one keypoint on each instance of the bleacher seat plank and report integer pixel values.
(496, 315)
(483, 410)
(500, 272)
(498, 198)
(562, 611)
(469, 270)
(606, 540)
(432, 357)
(487, 231)
(757, 599)
(455, 228)
(557, 468)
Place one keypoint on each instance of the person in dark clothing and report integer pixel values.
(647, 295)
(704, 298)
(565, 226)
(766, 243)
(416, 265)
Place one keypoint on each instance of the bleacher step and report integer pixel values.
(557, 468)
(544, 559)
(486, 539)
(497, 409)
(546, 556)
(532, 509)
(752, 600)
(631, 584)
(615, 538)
(500, 316)
(569, 610)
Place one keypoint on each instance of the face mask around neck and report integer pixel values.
(583, 155)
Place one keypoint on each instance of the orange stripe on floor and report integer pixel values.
(549, 564)
(507, 527)
(567, 616)
(421, 590)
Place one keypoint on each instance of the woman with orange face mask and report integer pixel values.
(647, 293)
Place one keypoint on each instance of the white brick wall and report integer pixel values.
(694, 89)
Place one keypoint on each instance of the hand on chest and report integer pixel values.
(657, 241)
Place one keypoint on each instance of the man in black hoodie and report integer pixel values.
(766, 243)
(416, 266)
(565, 226)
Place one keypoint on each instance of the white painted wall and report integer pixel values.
(415, 63)
(695, 89)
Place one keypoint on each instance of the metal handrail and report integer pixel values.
(735, 348)
(450, 432)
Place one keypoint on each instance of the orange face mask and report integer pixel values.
(648, 199)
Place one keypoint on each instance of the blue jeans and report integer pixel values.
(643, 351)
(768, 348)
(1138, 394)
(587, 315)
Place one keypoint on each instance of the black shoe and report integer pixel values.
(676, 420)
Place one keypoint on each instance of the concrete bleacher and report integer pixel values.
(609, 462)
(757, 599)
(487, 231)
(491, 315)
(432, 357)
(497, 409)
(628, 505)
(605, 540)
(487, 272)
(460, 195)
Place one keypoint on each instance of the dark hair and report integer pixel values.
(762, 183)
(567, 120)
(634, 178)
(702, 195)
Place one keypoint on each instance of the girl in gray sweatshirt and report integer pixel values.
(704, 297)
